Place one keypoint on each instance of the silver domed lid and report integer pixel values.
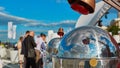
(87, 42)
(53, 46)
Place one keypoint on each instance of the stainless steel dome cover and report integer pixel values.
(87, 42)
(53, 46)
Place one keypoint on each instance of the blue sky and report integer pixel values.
(50, 10)
(38, 15)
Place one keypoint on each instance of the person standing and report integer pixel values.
(40, 41)
(29, 53)
(60, 32)
(1, 64)
(23, 48)
(20, 56)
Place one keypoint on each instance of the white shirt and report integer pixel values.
(40, 45)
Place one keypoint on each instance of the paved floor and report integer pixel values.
(8, 64)
(11, 66)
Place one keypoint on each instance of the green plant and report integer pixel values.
(114, 29)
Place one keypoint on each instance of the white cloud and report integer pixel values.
(2, 8)
(14, 17)
(62, 23)
(61, 1)
(3, 30)
(1, 35)
(58, 1)
(5, 18)
(68, 21)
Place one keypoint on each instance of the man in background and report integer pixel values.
(23, 48)
(40, 50)
(29, 53)
(20, 56)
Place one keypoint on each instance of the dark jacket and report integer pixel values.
(29, 45)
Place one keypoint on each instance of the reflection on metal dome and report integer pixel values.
(53, 46)
(87, 42)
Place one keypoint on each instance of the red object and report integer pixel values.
(118, 65)
(83, 6)
(80, 9)
(60, 34)
(116, 45)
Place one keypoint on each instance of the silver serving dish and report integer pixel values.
(53, 47)
(88, 46)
